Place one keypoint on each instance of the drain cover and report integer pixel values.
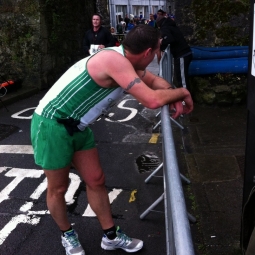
(147, 162)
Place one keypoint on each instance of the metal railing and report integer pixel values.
(178, 235)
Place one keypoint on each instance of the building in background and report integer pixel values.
(119, 8)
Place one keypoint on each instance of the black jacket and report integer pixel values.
(172, 35)
(102, 36)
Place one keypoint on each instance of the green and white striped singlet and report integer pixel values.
(75, 95)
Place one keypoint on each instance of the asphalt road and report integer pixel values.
(127, 157)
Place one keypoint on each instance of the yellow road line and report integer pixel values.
(154, 138)
(132, 196)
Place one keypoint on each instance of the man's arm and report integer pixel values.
(153, 81)
(108, 68)
(167, 37)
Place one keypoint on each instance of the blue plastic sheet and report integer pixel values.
(212, 60)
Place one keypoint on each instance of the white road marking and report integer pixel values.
(39, 190)
(74, 185)
(12, 224)
(17, 115)
(2, 169)
(28, 215)
(121, 106)
(20, 175)
(16, 149)
(27, 206)
(112, 196)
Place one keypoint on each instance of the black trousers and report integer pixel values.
(181, 71)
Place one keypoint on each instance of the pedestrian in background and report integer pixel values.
(152, 21)
(131, 25)
(97, 37)
(179, 48)
(161, 13)
(141, 16)
(126, 20)
(137, 21)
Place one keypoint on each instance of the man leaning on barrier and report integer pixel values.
(61, 136)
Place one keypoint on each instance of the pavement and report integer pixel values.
(211, 154)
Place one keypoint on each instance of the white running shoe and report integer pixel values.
(122, 241)
(71, 243)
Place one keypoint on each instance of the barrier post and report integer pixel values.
(178, 235)
(248, 216)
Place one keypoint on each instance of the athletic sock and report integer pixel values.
(110, 233)
(63, 232)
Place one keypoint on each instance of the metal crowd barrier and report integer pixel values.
(178, 235)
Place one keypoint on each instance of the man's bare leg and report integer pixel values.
(88, 164)
(58, 181)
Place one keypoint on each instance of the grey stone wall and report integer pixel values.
(40, 39)
(19, 33)
(213, 23)
(62, 27)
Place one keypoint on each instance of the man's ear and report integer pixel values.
(147, 52)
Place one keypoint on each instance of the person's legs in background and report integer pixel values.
(181, 71)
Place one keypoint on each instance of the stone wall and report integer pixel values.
(19, 33)
(62, 27)
(213, 23)
(40, 39)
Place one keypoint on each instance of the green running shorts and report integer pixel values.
(53, 146)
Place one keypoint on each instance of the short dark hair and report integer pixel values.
(141, 38)
(161, 11)
(97, 14)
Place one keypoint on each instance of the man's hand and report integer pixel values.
(101, 46)
(181, 107)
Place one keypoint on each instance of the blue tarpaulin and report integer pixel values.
(211, 60)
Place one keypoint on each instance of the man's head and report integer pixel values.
(96, 20)
(160, 20)
(141, 38)
(161, 13)
(151, 16)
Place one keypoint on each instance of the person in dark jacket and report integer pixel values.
(152, 21)
(179, 48)
(98, 36)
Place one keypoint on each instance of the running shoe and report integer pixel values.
(122, 241)
(71, 243)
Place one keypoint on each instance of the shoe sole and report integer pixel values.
(110, 248)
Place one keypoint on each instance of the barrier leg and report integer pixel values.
(153, 205)
(153, 173)
(156, 125)
(150, 208)
(185, 179)
(192, 218)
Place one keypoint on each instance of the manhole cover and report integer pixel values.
(6, 130)
(147, 162)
